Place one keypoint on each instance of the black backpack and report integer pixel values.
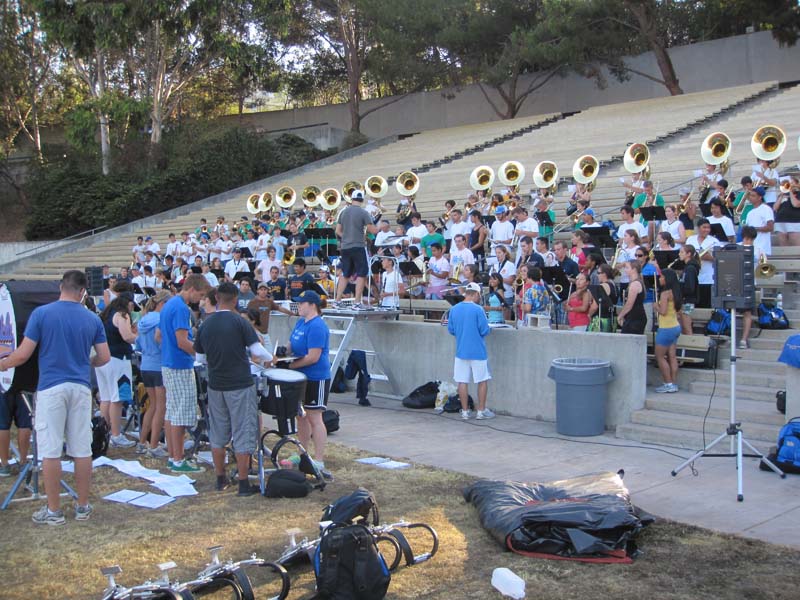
(348, 564)
(331, 420)
(286, 483)
(101, 436)
(358, 506)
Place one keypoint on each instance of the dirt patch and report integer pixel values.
(678, 561)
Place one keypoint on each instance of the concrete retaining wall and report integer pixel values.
(414, 353)
(11, 251)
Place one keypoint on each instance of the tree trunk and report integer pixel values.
(351, 43)
(105, 135)
(649, 29)
(157, 124)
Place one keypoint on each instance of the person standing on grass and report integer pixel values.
(467, 322)
(65, 332)
(177, 368)
(226, 342)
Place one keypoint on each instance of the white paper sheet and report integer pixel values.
(151, 501)
(124, 496)
(176, 488)
(392, 464)
(101, 461)
(372, 460)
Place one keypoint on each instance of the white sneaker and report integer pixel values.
(120, 441)
(485, 414)
(465, 414)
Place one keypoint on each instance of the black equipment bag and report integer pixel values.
(422, 397)
(453, 404)
(349, 566)
(331, 419)
(285, 483)
(356, 506)
(101, 436)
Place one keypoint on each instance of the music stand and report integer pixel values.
(718, 232)
(557, 283)
(543, 218)
(149, 291)
(246, 252)
(705, 209)
(194, 269)
(600, 236)
(243, 275)
(664, 258)
(652, 213)
(29, 475)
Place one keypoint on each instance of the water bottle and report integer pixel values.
(508, 583)
(780, 301)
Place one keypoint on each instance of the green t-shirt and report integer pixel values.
(429, 239)
(639, 200)
(747, 207)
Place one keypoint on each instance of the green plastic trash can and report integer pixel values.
(581, 394)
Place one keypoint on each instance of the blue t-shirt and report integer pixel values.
(65, 332)
(174, 316)
(468, 323)
(312, 334)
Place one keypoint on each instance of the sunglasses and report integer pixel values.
(640, 256)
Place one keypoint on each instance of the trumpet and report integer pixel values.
(765, 268)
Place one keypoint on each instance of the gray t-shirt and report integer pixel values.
(224, 338)
(354, 219)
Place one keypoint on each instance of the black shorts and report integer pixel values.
(353, 261)
(317, 395)
(152, 379)
(13, 409)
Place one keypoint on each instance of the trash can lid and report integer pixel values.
(579, 363)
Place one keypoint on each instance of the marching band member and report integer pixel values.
(460, 255)
(767, 178)
(718, 217)
(536, 300)
(405, 211)
(590, 269)
(495, 301)
(579, 194)
(587, 220)
(507, 271)
(708, 179)
(384, 233)
(202, 228)
(502, 231)
(519, 290)
(173, 247)
(153, 246)
(225, 249)
(689, 285)
(527, 255)
(221, 227)
(446, 224)
(249, 242)
(477, 238)
(199, 250)
(627, 253)
(236, 265)
(262, 242)
(484, 202)
(633, 185)
(138, 251)
(543, 250)
(417, 231)
(787, 215)
(541, 208)
(460, 225)
(673, 226)
(578, 303)
(214, 247)
(298, 242)
(149, 279)
(762, 218)
(608, 293)
(632, 317)
(325, 281)
(628, 224)
(439, 271)
(743, 196)
(665, 241)
(210, 277)
(704, 243)
(647, 198)
(668, 305)
(279, 242)
(186, 247)
(526, 227)
(580, 241)
(724, 195)
(392, 286)
(431, 237)
(689, 213)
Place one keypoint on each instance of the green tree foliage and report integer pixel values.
(67, 196)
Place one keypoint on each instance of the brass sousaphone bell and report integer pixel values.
(586, 169)
(716, 148)
(407, 183)
(311, 196)
(285, 197)
(257, 203)
(330, 199)
(376, 186)
(637, 158)
(545, 175)
(349, 188)
(481, 178)
(511, 173)
(768, 143)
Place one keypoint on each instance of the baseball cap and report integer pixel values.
(149, 237)
(589, 211)
(325, 269)
(357, 195)
(760, 190)
(500, 210)
(684, 191)
(310, 297)
(263, 284)
(472, 287)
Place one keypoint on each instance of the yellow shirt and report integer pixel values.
(670, 319)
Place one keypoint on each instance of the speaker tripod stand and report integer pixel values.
(733, 431)
(29, 474)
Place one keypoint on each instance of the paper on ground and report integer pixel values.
(372, 460)
(67, 466)
(392, 464)
(101, 461)
(124, 496)
(176, 488)
(205, 456)
(151, 501)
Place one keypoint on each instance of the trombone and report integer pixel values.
(574, 218)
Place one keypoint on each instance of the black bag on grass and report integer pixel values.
(349, 566)
(359, 504)
(286, 483)
(331, 419)
(422, 397)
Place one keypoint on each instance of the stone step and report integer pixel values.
(753, 354)
(677, 438)
(713, 426)
(749, 411)
(744, 376)
(743, 392)
(748, 366)
(766, 343)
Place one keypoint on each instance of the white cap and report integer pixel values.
(472, 287)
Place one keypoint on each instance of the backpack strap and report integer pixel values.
(361, 575)
(327, 574)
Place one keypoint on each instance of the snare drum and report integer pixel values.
(286, 392)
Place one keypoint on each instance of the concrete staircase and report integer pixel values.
(678, 419)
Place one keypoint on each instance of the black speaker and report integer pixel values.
(95, 277)
(734, 278)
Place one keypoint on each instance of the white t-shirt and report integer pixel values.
(174, 249)
(529, 224)
(501, 231)
(463, 228)
(212, 279)
(625, 255)
(138, 252)
(266, 266)
(381, 236)
(674, 229)
(727, 224)
(225, 250)
(234, 267)
(636, 226)
(758, 217)
(186, 250)
(706, 275)
(390, 283)
(712, 191)
(261, 245)
(200, 250)
(153, 247)
(461, 257)
(419, 232)
(506, 271)
(772, 191)
(448, 229)
(438, 265)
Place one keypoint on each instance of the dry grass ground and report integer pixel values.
(679, 562)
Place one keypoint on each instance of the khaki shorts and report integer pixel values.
(64, 412)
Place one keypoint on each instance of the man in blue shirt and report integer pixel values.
(177, 368)
(467, 322)
(65, 333)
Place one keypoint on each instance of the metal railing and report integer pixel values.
(74, 236)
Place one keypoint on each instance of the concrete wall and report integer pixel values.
(414, 353)
(730, 61)
(792, 392)
(12, 251)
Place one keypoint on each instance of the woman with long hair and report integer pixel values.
(603, 306)
(668, 307)
(148, 342)
(578, 304)
(121, 334)
(632, 317)
(519, 297)
(673, 226)
(508, 273)
(495, 302)
(689, 285)
(627, 253)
